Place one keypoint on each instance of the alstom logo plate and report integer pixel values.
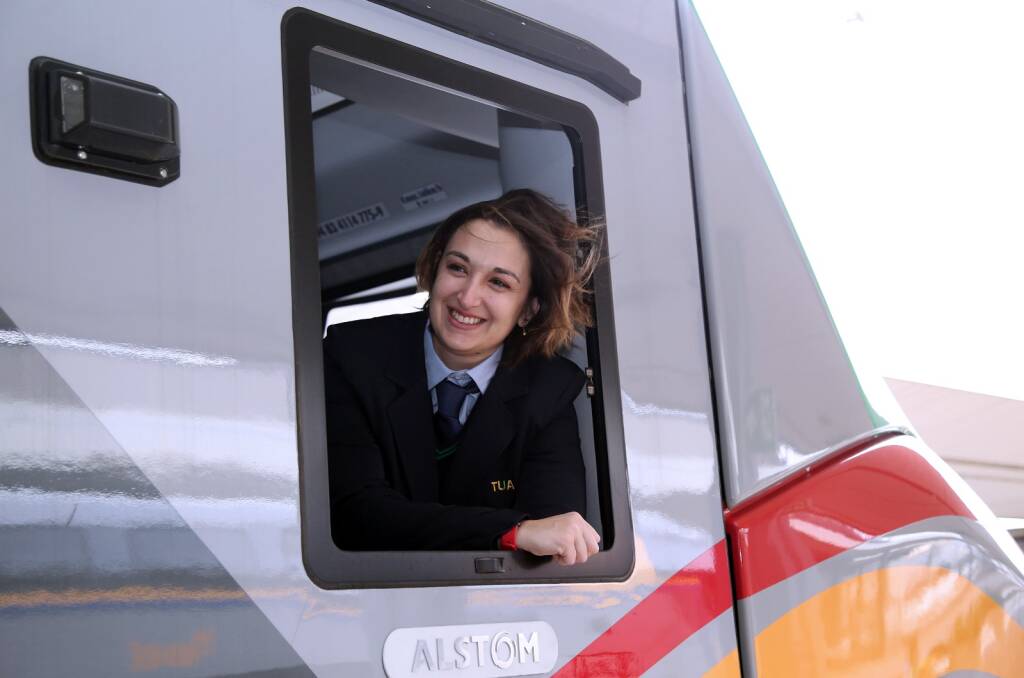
(474, 651)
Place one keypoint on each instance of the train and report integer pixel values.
(194, 191)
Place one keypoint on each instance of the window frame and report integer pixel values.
(327, 565)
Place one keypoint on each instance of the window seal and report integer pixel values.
(327, 565)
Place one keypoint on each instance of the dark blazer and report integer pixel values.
(519, 456)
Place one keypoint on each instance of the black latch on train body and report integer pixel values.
(96, 122)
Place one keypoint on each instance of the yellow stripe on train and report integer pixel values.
(899, 621)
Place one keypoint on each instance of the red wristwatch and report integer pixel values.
(508, 540)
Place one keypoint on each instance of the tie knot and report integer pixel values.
(452, 392)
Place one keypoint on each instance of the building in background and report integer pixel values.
(978, 435)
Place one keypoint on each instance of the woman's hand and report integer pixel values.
(567, 537)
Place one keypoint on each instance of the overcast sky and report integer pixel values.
(893, 129)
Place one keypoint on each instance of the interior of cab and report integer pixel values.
(393, 157)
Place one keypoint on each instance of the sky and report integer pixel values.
(895, 132)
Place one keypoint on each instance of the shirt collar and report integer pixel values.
(437, 371)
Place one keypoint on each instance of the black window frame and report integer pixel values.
(327, 565)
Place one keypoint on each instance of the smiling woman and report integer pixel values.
(527, 247)
(480, 292)
(455, 428)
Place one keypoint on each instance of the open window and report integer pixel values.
(384, 141)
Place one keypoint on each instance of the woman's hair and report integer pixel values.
(563, 256)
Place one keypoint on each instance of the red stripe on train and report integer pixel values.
(831, 507)
(687, 600)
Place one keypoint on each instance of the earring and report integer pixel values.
(523, 328)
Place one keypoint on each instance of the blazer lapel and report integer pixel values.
(490, 428)
(411, 414)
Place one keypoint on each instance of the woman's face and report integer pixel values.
(480, 294)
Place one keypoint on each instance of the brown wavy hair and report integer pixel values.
(563, 256)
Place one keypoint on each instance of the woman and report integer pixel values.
(454, 428)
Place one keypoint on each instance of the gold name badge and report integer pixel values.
(502, 485)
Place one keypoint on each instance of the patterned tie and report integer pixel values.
(447, 426)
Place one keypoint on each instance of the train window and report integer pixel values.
(384, 141)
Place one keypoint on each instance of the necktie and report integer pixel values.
(447, 426)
